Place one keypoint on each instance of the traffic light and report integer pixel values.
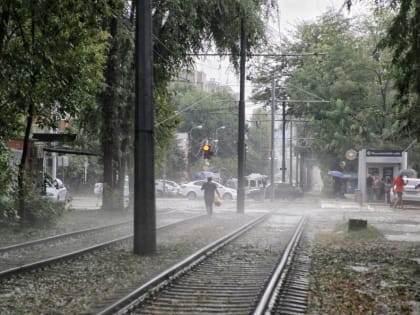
(207, 153)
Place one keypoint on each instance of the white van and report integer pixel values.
(255, 181)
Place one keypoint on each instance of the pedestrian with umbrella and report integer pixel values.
(407, 172)
(399, 189)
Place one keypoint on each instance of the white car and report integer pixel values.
(166, 188)
(98, 189)
(411, 190)
(55, 190)
(192, 190)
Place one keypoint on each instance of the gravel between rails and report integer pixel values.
(349, 276)
(77, 286)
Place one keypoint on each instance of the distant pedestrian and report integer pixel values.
(210, 188)
(398, 189)
(369, 188)
(98, 191)
(388, 186)
(377, 188)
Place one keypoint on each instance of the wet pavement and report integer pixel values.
(395, 224)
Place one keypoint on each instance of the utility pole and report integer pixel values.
(273, 110)
(291, 154)
(283, 145)
(241, 123)
(144, 177)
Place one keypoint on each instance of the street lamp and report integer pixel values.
(217, 129)
(216, 138)
(195, 127)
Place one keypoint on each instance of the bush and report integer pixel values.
(8, 213)
(39, 210)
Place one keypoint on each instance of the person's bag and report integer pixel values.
(217, 201)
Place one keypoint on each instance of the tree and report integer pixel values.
(212, 110)
(402, 37)
(258, 143)
(355, 83)
(50, 61)
(349, 77)
(179, 28)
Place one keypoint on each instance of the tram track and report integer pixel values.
(24, 246)
(77, 286)
(225, 277)
(32, 255)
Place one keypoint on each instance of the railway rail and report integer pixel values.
(41, 253)
(78, 286)
(229, 276)
(56, 238)
(286, 292)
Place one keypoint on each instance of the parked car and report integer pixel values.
(98, 188)
(166, 188)
(411, 190)
(192, 190)
(55, 190)
(281, 191)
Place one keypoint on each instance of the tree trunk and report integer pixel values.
(22, 165)
(109, 106)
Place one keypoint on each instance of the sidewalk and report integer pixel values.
(395, 224)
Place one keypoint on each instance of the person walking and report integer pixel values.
(398, 189)
(369, 188)
(210, 188)
(388, 187)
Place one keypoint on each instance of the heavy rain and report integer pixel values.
(199, 157)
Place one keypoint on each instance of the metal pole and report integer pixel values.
(241, 123)
(283, 146)
(291, 155)
(273, 110)
(144, 177)
(297, 170)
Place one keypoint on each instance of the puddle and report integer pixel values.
(406, 237)
(405, 228)
(359, 268)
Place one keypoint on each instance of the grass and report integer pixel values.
(370, 233)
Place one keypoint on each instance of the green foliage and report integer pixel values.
(258, 142)
(7, 185)
(40, 211)
(172, 165)
(368, 234)
(50, 55)
(403, 39)
(212, 110)
(350, 77)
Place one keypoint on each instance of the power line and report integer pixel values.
(258, 55)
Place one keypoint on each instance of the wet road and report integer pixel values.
(396, 224)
